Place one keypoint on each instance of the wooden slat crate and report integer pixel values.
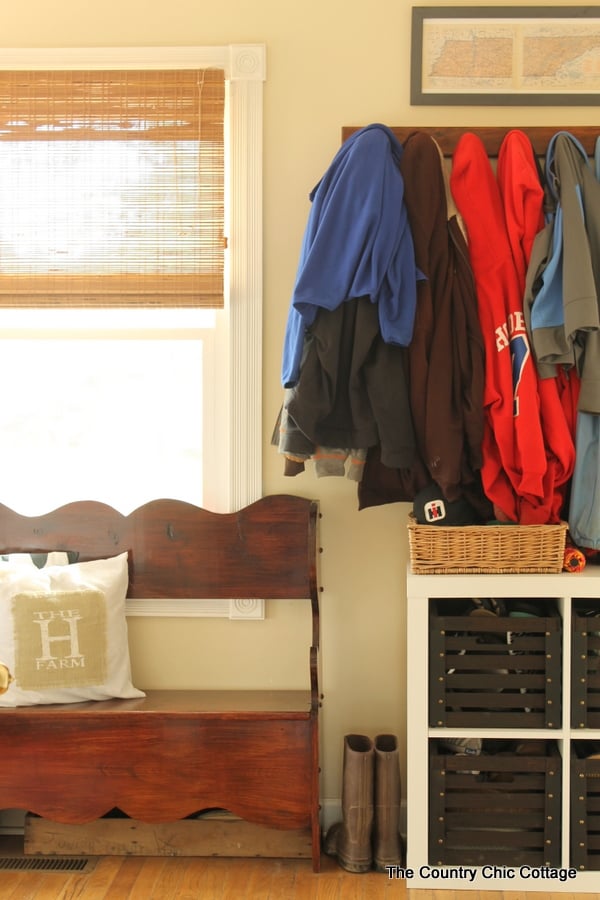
(497, 809)
(585, 656)
(585, 813)
(495, 671)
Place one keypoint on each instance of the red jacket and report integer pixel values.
(514, 471)
(523, 199)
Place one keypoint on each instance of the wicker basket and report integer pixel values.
(447, 550)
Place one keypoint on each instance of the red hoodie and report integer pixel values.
(514, 468)
(523, 199)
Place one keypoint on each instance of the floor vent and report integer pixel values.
(46, 864)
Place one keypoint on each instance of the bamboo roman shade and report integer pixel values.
(111, 188)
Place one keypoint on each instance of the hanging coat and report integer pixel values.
(446, 364)
(584, 509)
(357, 243)
(565, 313)
(522, 192)
(514, 456)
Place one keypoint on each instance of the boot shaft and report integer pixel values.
(350, 839)
(358, 774)
(387, 846)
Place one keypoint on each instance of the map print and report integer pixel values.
(504, 56)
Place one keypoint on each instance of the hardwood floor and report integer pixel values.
(192, 878)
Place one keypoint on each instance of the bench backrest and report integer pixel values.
(177, 550)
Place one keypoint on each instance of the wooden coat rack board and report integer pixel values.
(492, 136)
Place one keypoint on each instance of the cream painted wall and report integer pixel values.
(329, 63)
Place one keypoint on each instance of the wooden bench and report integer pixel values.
(176, 752)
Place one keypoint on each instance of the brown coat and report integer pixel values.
(446, 356)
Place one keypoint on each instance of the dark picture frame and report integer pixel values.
(505, 55)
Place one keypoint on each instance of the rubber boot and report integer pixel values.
(350, 840)
(387, 845)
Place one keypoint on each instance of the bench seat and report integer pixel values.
(162, 758)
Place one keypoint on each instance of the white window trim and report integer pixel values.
(245, 73)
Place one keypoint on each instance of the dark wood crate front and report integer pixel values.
(585, 664)
(495, 671)
(498, 809)
(585, 812)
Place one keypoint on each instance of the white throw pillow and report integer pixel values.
(63, 632)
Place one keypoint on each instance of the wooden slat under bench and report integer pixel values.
(217, 833)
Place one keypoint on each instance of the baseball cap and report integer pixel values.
(430, 507)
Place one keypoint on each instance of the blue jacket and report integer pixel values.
(584, 507)
(357, 243)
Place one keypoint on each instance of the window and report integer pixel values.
(112, 187)
(201, 397)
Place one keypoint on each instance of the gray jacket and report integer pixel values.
(563, 284)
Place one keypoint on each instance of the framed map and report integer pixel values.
(505, 55)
